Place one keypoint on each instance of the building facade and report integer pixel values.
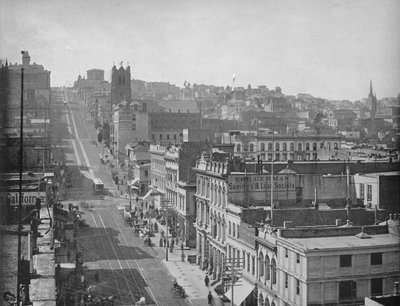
(211, 200)
(120, 84)
(283, 147)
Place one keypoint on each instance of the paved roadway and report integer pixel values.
(125, 267)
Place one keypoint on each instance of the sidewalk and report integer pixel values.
(188, 275)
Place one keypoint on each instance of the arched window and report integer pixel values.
(233, 229)
(314, 146)
(299, 147)
(270, 147)
(119, 80)
(267, 274)
(238, 147)
(277, 146)
(273, 271)
(261, 297)
(223, 197)
(251, 147)
(261, 264)
(168, 136)
(307, 146)
(284, 148)
(266, 303)
(263, 147)
(123, 80)
(229, 227)
(335, 146)
(291, 146)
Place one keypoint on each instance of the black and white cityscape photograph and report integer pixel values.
(199, 152)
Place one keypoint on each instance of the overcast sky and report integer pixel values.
(328, 48)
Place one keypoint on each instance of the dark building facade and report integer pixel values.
(120, 85)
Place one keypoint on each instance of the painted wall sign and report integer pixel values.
(260, 182)
(28, 198)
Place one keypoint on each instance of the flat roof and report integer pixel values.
(344, 242)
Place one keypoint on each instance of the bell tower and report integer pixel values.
(120, 84)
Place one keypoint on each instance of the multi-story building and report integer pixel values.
(95, 74)
(379, 190)
(36, 116)
(333, 265)
(211, 200)
(283, 147)
(172, 170)
(319, 265)
(121, 129)
(342, 119)
(158, 177)
(138, 164)
(174, 121)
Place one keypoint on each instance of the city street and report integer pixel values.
(125, 267)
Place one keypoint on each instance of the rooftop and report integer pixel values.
(345, 242)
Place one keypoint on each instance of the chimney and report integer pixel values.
(26, 59)
(349, 223)
(338, 222)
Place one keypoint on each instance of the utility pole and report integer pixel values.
(233, 268)
(272, 179)
(21, 160)
(165, 203)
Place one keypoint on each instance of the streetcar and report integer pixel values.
(98, 186)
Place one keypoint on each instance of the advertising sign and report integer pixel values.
(260, 182)
(28, 198)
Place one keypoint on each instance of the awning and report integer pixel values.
(241, 290)
(133, 182)
(152, 193)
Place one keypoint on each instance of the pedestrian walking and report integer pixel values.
(206, 280)
(210, 298)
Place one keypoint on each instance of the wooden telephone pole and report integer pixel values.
(232, 270)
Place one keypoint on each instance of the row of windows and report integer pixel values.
(233, 229)
(292, 156)
(369, 192)
(153, 136)
(297, 255)
(348, 289)
(346, 260)
(297, 283)
(285, 147)
(215, 192)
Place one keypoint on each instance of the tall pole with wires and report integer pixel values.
(21, 159)
(272, 180)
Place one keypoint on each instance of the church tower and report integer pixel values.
(120, 84)
(372, 98)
